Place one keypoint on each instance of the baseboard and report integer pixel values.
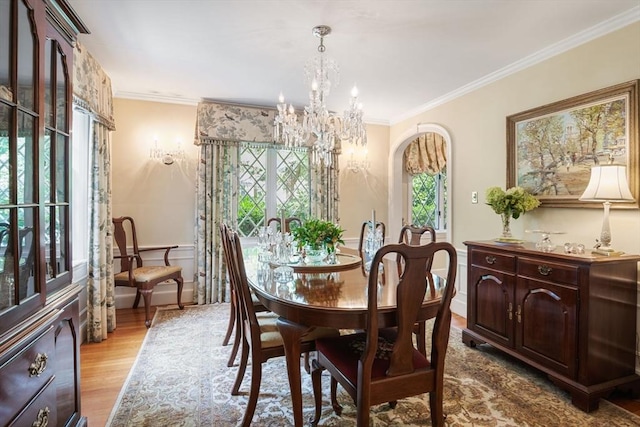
(163, 294)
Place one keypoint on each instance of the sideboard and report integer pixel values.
(571, 316)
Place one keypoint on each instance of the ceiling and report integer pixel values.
(403, 55)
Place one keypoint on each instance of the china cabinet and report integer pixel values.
(39, 308)
(571, 316)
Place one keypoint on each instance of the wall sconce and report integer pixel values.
(168, 157)
(360, 164)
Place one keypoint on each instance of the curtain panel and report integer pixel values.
(216, 194)
(426, 154)
(92, 94)
(220, 130)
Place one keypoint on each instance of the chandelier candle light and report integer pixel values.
(320, 128)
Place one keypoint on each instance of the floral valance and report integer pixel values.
(426, 154)
(92, 86)
(233, 123)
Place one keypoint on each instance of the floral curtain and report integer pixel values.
(215, 196)
(219, 130)
(92, 93)
(426, 154)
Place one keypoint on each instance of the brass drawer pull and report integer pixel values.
(490, 259)
(545, 270)
(39, 365)
(43, 418)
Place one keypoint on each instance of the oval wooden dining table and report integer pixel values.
(334, 299)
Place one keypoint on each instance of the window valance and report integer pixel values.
(92, 87)
(229, 122)
(426, 154)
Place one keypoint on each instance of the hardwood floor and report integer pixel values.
(105, 366)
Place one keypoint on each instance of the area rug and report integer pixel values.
(181, 378)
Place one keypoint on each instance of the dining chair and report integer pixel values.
(136, 275)
(382, 365)
(260, 336)
(288, 222)
(235, 314)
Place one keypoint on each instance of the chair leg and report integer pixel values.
(337, 408)
(137, 300)
(146, 295)
(232, 319)
(241, 369)
(256, 378)
(180, 282)
(236, 340)
(435, 405)
(316, 380)
(307, 365)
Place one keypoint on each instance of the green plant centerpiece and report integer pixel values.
(318, 235)
(511, 203)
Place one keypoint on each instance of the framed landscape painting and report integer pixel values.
(551, 149)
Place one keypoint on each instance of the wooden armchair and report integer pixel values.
(132, 272)
(287, 223)
(382, 365)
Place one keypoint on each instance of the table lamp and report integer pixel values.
(608, 183)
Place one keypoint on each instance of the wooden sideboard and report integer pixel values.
(571, 316)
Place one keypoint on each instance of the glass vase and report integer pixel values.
(506, 229)
(314, 255)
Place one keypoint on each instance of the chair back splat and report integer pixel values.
(383, 365)
(132, 271)
(288, 223)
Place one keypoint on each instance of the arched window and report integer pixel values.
(425, 161)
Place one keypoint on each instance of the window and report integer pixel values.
(271, 179)
(82, 127)
(428, 201)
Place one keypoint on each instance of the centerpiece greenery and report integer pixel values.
(511, 203)
(316, 233)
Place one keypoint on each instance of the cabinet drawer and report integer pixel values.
(493, 260)
(41, 411)
(26, 373)
(550, 271)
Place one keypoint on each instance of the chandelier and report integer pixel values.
(320, 128)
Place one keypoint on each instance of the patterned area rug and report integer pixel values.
(181, 379)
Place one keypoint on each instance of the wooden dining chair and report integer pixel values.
(288, 223)
(383, 365)
(234, 314)
(260, 336)
(136, 275)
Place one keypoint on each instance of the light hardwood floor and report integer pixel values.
(105, 366)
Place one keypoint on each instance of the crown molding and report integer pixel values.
(605, 27)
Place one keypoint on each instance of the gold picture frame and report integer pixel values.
(550, 149)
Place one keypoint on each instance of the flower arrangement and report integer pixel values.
(510, 204)
(513, 202)
(316, 232)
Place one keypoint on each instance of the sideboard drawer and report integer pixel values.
(41, 411)
(26, 373)
(493, 260)
(550, 271)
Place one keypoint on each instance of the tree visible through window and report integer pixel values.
(429, 200)
(271, 179)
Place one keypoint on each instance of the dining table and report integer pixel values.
(326, 295)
